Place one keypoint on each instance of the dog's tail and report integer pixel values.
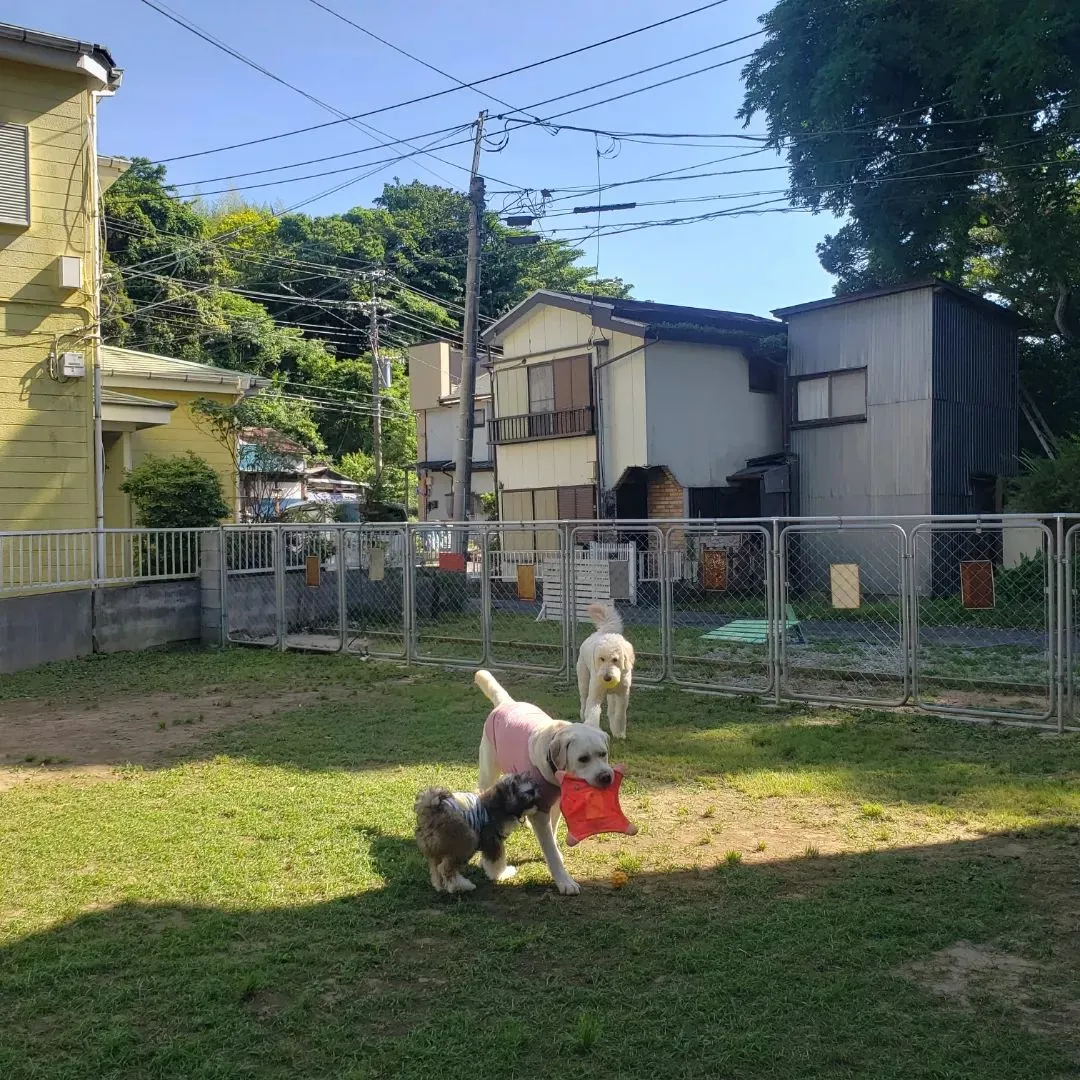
(605, 618)
(492, 690)
(432, 802)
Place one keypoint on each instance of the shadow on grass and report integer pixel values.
(784, 970)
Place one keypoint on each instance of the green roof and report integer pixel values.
(119, 362)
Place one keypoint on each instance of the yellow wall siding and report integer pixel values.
(547, 463)
(547, 327)
(181, 434)
(117, 510)
(46, 427)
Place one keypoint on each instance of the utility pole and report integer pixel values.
(467, 389)
(376, 384)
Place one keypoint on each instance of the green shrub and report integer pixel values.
(1049, 487)
(181, 492)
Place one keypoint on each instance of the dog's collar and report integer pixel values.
(551, 765)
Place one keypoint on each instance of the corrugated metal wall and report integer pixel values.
(975, 410)
(881, 466)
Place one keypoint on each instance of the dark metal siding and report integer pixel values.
(974, 425)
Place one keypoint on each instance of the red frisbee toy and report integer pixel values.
(590, 810)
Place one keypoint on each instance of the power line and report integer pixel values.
(451, 90)
(254, 65)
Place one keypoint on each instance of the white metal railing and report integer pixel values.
(44, 561)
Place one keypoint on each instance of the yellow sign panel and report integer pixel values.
(846, 588)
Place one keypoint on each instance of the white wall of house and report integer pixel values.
(547, 327)
(703, 421)
(624, 410)
(548, 463)
(438, 501)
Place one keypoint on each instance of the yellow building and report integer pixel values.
(49, 187)
(146, 409)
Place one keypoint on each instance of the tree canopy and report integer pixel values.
(290, 297)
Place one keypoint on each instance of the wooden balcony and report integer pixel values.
(530, 427)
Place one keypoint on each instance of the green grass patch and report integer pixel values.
(256, 907)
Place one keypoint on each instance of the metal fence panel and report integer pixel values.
(46, 561)
(720, 607)
(373, 563)
(526, 627)
(984, 609)
(251, 558)
(1071, 620)
(135, 555)
(312, 612)
(623, 565)
(447, 622)
(842, 613)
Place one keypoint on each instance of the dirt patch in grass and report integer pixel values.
(49, 740)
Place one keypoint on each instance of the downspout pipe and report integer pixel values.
(96, 283)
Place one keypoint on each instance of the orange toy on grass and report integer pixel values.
(590, 810)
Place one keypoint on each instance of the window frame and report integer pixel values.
(830, 420)
(550, 368)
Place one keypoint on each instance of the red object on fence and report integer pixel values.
(452, 560)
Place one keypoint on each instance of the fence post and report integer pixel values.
(342, 584)
(485, 593)
(408, 607)
(777, 618)
(278, 547)
(908, 630)
(1061, 614)
(569, 624)
(211, 587)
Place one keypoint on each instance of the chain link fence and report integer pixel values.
(984, 609)
(622, 565)
(448, 619)
(252, 603)
(720, 607)
(375, 566)
(525, 569)
(842, 614)
(976, 618)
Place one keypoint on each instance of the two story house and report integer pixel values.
(434, 378)
(630, 409)
(50, 181)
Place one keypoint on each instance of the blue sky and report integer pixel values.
(181, 95)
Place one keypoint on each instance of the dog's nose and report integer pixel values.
(604, 779)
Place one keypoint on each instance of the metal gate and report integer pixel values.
(842, 614)
(251, 562)
(720, 607)
(982, 640)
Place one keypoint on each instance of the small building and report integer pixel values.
(904, 401)
(434, 378)
(277, 478)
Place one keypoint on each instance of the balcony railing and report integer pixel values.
(545, 425)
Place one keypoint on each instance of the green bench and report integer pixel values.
(755, 631)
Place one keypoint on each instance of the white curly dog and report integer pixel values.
(605, 668)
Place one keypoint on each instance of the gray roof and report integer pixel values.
(673, 322)
(937, 284)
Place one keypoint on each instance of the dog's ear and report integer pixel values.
(559, 748)
(628, 656)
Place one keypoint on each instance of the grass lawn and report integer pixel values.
(208, 873)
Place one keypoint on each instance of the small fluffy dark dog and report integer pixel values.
(452, 826)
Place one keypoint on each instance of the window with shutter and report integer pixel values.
(14, 175)
(571, 383)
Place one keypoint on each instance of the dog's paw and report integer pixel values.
(568, 887)
(460, 884)
(508, 872)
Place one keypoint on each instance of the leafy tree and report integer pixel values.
(947, 134)
(1049, 486)
(182, 492)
